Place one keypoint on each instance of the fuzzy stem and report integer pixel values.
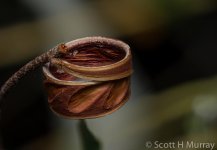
(30, 66)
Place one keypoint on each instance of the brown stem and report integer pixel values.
(30, 66)
(86, 78)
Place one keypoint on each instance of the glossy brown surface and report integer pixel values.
(87, 102)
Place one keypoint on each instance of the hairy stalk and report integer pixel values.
(30, 66)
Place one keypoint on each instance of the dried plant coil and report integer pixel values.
(91, 78)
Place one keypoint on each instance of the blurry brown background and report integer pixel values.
(174, 85)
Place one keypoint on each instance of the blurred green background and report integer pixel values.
(174, 85)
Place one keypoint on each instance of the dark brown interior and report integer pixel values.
(94, 54)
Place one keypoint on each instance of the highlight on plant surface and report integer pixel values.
(84, 78)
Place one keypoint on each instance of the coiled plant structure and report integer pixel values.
(84, 78)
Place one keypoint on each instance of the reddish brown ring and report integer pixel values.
(116, 74)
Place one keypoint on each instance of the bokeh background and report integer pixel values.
(174, 85)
